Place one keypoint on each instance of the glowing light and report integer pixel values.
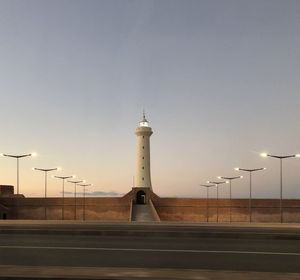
(263, 154)
(298, 155)
(219, 177)
(236, 168)
(58, 168)
(1, 155)
(241, 177)
(144, 124)
(33, 154)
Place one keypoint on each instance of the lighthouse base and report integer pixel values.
(141, 195)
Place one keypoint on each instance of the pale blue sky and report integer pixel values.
(219, 81)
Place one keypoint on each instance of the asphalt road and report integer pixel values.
(260, 249)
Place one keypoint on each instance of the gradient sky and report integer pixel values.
(219, 81)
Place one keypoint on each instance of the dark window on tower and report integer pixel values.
(143, 167)
(143, 157)
(143, 136)
(143, 178)
(143, 147)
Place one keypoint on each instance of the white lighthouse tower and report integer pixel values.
(142, 174)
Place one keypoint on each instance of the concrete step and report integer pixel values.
(142, 213)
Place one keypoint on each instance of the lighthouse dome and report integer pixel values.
(144, 122)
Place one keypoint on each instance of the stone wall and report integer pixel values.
(6, 190)
(168, 209)
(94, 208)
(195, 210)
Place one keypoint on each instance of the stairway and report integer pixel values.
(142, 213)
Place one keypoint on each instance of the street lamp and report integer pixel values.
(230, 179)
(250, 171)
(207, 196)
(217, 185)
(281, 157)
(46, 170)
(75, 185)
(63, 178)
(18, 157)
(84, 185)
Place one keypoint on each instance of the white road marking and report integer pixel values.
(152, 250)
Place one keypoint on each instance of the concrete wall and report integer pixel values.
(195, 210)
(94, 208)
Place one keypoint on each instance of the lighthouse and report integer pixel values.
(142, 173)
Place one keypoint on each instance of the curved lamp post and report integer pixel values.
(207, 196)
(18, 158)
(250, 171)
(84, 186)
(63, 178)
(46, 170)
(217, 185)
(280, 157)
(229, 179)
(75, 190)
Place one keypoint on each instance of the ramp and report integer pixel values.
(142, 213)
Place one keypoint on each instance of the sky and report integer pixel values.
(219, 81)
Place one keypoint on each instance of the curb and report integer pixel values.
(117, 273)
(157, 233)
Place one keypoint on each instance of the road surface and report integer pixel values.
(123, 246)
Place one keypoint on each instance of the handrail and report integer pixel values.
(154, 212)
(130, 211)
